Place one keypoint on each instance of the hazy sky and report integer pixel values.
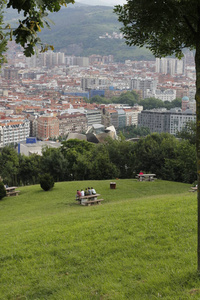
(102, 2)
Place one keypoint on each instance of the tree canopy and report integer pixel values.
(35, 14)
(166, 27)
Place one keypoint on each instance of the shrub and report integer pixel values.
(2, 190)
(46, 182)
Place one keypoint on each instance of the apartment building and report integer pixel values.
(13, 131)
(164, 95)
(121, 118)
(162, 120)
(143, 84)
(48, 127)
(131, 116)
(88, 83)
(72, 123)
(172, 66)
(93, 117)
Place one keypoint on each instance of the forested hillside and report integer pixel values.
(77, 29)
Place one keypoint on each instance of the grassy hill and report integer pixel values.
(77, 29)
(139, 244)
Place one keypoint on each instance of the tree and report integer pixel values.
(150, 103)
(9, 163)
(2, 190)
(188, 132)
(54, 163)
(29, 169)
(46, 182)
(35, 17)
(167, 27)
(101, 166)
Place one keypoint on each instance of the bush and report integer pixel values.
(46, 182)
(2, 190)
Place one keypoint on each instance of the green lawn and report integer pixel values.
(139, 244)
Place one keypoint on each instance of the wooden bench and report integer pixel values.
(10, 191)
(146, 177)
(14, 193)
(193, 189)
(89, 200)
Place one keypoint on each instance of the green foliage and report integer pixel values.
(29, 169)
(80, 27)
(2, 190)
(132, 98)
(61, 246)
(189, 132)
(99, 99)
(162, 154)
(101, 165)
(150, 103)
(175, 103)
(9, 165)
(166, 27)
(133, 131)
(54, 163)
(46, 182)
(167, 157)
(34, 18)
(122, 155)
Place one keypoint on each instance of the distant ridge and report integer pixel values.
(77, 29)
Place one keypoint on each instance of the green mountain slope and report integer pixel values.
(77, 29)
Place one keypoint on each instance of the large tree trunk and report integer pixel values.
(197, 97)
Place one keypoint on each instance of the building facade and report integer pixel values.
(172, 66)
(70, 123)
(143, 84)
(171, 121)
(47, 127)
(13, 132)
(93, 117)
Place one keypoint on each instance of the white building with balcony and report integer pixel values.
(13, 131)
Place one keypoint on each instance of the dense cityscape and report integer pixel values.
(47, 95)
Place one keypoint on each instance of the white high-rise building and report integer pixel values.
(172, 66)
(143, 84)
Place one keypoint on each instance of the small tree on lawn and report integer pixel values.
(2, 190)
(46, 182)
(166, 27)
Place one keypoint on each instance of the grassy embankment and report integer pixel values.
(139, 244)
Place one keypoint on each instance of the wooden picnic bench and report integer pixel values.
(193, 189)
(89, 200)
(11, 191)
(146, 177)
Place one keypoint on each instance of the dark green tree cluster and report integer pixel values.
(2, 190)
(163, 154)
(134, 131)
(46, 182)
(188, 132)
(131, 98)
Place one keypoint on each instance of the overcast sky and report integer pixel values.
(102, 2)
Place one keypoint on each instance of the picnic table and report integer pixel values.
(193, 189)
(146, 177)
(11, 191)
(89, 200)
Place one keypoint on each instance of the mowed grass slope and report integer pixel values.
(139, 244)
